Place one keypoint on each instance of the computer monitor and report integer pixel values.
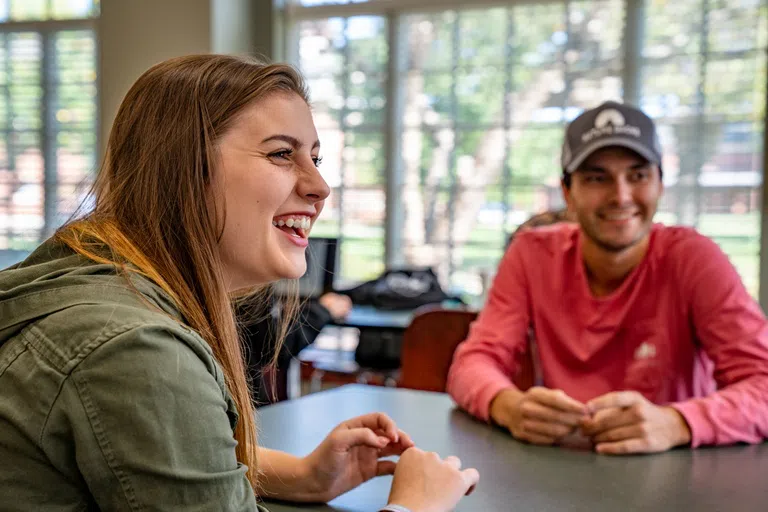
(321, 257)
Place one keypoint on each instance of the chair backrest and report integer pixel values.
(428, 346)
(429, 343)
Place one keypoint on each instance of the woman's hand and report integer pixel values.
(425, 483)
(350, 455)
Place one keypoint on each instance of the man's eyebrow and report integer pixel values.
(293, 141)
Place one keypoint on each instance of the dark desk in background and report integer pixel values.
(518, 477)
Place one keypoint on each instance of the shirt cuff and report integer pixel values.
(701, 430)
(486, 396)
(394, 508)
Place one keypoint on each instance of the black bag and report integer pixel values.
(406, 289)
(400, 289)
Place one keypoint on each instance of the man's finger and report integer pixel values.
(537, 411)
(615, 399)
(620, 434)
(546, 429)
(557, 399)
(533, 438)
(605, 413)
(623, 447)
(609, 419)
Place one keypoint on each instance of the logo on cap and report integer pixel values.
(609, 116)
(610, 122)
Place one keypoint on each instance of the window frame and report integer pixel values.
(47, 29)
(289, 14)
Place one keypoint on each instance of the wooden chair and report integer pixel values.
(428, 346)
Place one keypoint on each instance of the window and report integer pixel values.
(487, 96)
(345, 62)
(704, 76)
(47, 117)
(467, 132)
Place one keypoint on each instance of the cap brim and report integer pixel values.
(623, 142)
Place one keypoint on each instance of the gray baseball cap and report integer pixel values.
(610, 124)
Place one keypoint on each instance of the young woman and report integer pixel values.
(122, 382)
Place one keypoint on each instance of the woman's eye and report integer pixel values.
(283, 153)
(318, 160)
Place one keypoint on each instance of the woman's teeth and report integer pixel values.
(293, 222)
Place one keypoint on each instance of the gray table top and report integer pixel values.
(519, 477)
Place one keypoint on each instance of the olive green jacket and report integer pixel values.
(107, 401)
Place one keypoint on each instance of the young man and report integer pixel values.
(646, 338)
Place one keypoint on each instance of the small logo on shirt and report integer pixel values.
(645, 351)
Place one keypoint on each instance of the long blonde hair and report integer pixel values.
(153, 213)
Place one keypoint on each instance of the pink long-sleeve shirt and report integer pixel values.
(681, 330)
